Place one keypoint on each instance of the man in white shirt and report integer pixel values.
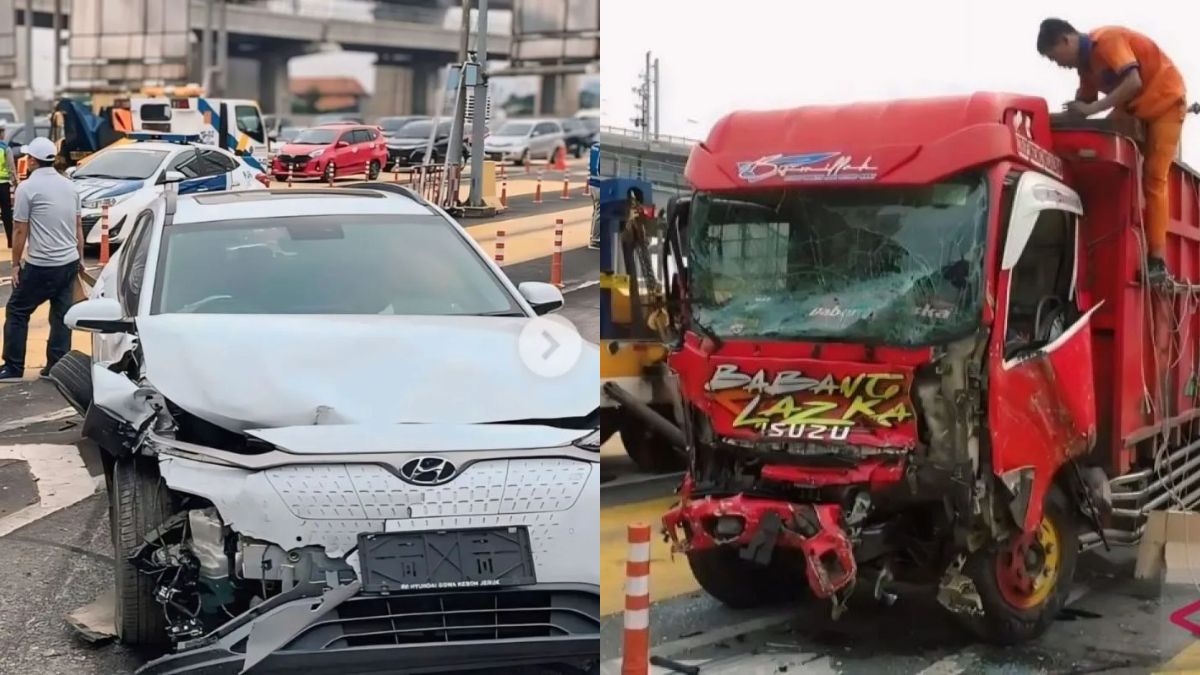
(47, 250)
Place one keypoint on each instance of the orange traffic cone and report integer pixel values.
(566, 193)
(537, 195)
(561, 158)
(504, 194)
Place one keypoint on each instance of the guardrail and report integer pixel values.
(370, 11)
(637, 134)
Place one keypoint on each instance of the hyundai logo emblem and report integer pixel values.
(427, 471)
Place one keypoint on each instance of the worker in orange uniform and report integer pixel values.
(1138, 79)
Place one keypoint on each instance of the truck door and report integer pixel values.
(1041, 399)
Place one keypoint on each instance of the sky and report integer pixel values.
(717, 56)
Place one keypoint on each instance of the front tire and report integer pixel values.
(373, 170)
(139, 501)
(741, 584)
(1024, 583)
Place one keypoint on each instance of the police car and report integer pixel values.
(135, 173)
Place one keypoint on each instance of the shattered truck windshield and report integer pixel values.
(896, 266)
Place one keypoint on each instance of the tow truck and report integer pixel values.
(638, 393)
(916, 352)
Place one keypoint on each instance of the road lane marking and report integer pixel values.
(60, 414)
(62, 480)
(580, 287)
(668, 578)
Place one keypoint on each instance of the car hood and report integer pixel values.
(505, 140)
(301, 148)
(252, 372)
(406, 143)
(100, 188)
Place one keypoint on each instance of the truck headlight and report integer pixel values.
(590, 442)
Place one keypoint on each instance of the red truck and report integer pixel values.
(915, 352)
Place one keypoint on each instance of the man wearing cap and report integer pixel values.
(1139, 79)
(8, 178)
(46, 253)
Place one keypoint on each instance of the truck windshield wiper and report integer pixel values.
(708, 333)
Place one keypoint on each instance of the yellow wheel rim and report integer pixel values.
(1027, 571)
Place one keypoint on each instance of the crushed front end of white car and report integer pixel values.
(415, 501)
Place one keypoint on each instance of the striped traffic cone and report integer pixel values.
(500, 247)
(635, 653)
(556, 261)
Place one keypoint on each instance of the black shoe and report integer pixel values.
(45, 373)
(1156, 272)
(8, 374)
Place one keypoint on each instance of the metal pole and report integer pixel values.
(646, 99)
(454, 152)
(206, 47)
(479, 120)
(29, 63)
(656, 98)
(58, 16)
(223, 51)
(464, 43)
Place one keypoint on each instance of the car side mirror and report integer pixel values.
(341, 144)
(544, 298)
(71, 171)
(171, 177)
(99, 315)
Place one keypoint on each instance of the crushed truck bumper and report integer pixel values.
(756, 527)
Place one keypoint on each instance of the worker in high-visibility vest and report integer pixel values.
(8, 181)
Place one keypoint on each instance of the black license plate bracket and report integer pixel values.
(399, 562)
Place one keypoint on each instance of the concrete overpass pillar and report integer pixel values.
(394, 91)
(426, 78)
(273, 94)
(554, 95)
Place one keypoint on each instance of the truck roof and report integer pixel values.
(907, 141)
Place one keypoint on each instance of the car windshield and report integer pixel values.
(288, 134)
(316, 136)
(125, 163)
(872, 265)
(415, 130)
(404, 265)
(515, 129)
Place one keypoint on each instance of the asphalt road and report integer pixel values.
(63, 561)
(1112, 626)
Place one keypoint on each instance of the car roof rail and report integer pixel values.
(388, 187)
(229, 196)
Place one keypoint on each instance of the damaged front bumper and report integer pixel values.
(758, 526)
(426, 632)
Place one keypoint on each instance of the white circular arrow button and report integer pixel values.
(550, 346)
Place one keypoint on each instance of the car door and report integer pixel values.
(1041, 340)
(546, 138)
(344, 151)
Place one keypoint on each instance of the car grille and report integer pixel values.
(296, 161)
(440, 617)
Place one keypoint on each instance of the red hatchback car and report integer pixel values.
(332, 150)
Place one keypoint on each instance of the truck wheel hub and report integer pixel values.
(1027, 570)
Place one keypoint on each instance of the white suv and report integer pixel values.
(324, 450)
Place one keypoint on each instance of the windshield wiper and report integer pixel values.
(504, 312)
(708, 333)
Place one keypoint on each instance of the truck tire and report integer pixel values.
(72, 376)
(138, 502)
(740, 584)
(649, 451)
(1016, 612)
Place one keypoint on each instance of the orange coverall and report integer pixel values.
(1107, 55)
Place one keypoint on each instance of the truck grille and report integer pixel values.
(440, 617)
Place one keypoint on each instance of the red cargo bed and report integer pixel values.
(1144, 341)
